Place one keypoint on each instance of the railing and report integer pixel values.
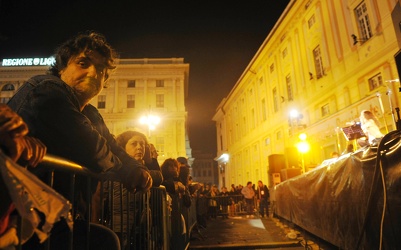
(152, 220)
(227, 205)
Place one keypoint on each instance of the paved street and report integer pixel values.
(252, 233)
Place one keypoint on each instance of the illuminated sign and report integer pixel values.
(28, 62)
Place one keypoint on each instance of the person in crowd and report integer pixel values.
(57, 111)
(212, 201)
(370, 126)
(206, 189)
(201, 206)
(335, 155)
(170, 177)
(262, 195)
(233, 190)
(136, 145)
(350, 148)
(21, 148)
(151, 162)
(183, 170)
(177, 191)
(225, 202)
(249, 194)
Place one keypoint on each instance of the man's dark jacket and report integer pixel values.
(52, 112)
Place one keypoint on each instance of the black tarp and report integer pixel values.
(342, 201)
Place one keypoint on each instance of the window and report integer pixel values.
(8, 87)
(159, 83)
(375, 82)
(131, 101)
(318, 62)
(261, 80)
(131, 84)
(101, 102)
(279, 135)
(311, 21)
(160, 145)
(264, 111)
(275, 100)
(253, 118)
(272, 68)
(361, 13)
(289, 88)
(325, 109)
(160, 101)
(4, 99)
(285, 52)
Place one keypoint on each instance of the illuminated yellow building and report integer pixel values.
(319, 67)
(138, 88)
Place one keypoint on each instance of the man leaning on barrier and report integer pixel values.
(52, 105)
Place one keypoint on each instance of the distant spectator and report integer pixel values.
(224, 202)
(249, 195)
(183, 170)
(213, 206)
(263, 194)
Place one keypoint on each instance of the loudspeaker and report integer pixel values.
(289, 173)
(276, 163)
(292, 156)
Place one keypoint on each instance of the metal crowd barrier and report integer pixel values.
(150, 220)
(228, 205)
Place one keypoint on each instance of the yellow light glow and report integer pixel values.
(294, 113)
(151, 121)
(302, 137)
(303, 147)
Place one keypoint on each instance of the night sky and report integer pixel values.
(218, 38)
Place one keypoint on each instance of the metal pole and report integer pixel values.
(382, 109)
(388, 93)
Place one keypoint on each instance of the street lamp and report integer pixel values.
(151, 121)
(303, 147)
(294, 120)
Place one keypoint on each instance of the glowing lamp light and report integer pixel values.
(225, 157)
(303, 147)
(294, 113)
(302, 137)
(151, 121)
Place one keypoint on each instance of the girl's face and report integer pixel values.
(135, 147)
(173, 169)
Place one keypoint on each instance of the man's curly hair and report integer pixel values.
(84, 41)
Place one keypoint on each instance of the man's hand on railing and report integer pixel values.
(14, 141)
(35, 151)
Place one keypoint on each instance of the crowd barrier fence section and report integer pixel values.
(156, 221)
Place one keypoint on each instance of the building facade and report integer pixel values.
(319, 67)
(204, 168)
(147, 95)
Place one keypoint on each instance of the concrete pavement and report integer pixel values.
(240, 232)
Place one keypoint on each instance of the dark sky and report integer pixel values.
(218, 38)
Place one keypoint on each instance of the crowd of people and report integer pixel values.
(212, 202)
(55, 109)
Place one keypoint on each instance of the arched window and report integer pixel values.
(8, 87)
